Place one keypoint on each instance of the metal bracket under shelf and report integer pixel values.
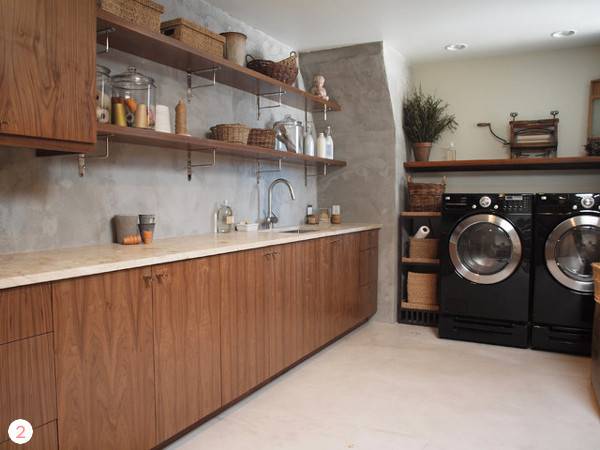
(316, 174)
(267, 95)
(82, 157)
(105, 31)
(212, 83)
(259, 171)
(190, 165)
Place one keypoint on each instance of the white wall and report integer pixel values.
(532, 84)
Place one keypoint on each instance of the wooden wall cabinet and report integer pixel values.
(104, 348)
(47, 74)
(187, 343)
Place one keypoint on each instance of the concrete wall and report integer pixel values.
(532, 84)
(365, 135)
(44, 204)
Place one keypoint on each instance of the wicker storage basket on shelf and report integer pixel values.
(425, 196)
(194, 35)
(145, 13)
(596, 267)
(285, 71)
(422, 288)
(423, 248)
(235, 133)
(262, 137)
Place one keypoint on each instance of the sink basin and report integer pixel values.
(299, 231)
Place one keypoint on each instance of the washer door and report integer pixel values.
(485, 248)
(571, 249)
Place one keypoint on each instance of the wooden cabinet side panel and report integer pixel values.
(104, 361)
(350, 278)
(48, 73)
(273, 294)
(44, 438)
(187, 343)
(25, 312)
(27, 385)
(310, 296)
(292, 261)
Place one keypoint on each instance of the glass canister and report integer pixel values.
(133, 99)
(289, 135)
(103, 94)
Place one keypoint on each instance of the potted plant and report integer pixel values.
(425, 119)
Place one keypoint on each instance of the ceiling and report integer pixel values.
(420, 29)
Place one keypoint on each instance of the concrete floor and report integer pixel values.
(389, 386)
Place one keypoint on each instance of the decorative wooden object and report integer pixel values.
(534, 138)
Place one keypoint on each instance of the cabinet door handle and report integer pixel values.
(162, 277)
(148, 280)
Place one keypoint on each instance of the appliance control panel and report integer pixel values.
(567, 203)
(507, 203)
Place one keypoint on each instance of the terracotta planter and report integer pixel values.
(422, 150)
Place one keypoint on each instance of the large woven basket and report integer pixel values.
(425, 196)
(145, 13)
(423, 248)
(596, 267)
(262, 137)
(422, 288)
(235, 133)
(194, 35)
(285, 71)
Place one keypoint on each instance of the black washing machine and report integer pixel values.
(485, 256)
(567, 242)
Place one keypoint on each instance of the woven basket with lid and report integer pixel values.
(423, 248)
(262, 137)
(194, 35)
(422, 288)
(139, 12)
(425, 196)
(235, 133)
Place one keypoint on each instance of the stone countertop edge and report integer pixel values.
(23, 269)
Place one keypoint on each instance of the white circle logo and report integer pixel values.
(20, 431)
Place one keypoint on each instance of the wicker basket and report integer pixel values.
(285, 71)
(423, 248)
(596, 267)
(425, 196)
(235, 133)
(194, 35)
(145, 13)
(422, 288)
(262, 137)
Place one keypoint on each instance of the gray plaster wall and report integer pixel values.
(44, 204)
(367, 134)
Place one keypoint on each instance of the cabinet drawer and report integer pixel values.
(25, 312)
(369, 266)
(369, 239)
(27, 386)
(44, 438)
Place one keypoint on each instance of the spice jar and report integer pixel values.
(137, 93)
(103, 94)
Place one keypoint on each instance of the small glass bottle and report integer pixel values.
(225, 218)
(322, 146)
(329, 143)
(309, 141)
(451, 152)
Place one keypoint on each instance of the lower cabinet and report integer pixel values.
(44, 438)
(187, 343)
(104, 346)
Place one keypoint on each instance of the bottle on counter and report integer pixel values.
(322, 146)
(328, 143)
(451, 152)
(309, 141)
(336, 215)
(225, 218)
(311, 217)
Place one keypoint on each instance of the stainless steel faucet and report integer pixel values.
(271, 217)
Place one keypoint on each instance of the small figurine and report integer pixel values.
(318, 87)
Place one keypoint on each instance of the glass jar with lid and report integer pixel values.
(137, 95)
(103, 94)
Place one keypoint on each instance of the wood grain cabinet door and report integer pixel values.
(25, 312)
(44, 438)
(187, 343)
(47, 69)
(104, 361)
(291, 260)
(349, 279)
(311, 302)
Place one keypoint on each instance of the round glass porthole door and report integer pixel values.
(571, 249)
(485, 249)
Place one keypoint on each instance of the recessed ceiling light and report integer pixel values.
(563, 34)
(456, 47)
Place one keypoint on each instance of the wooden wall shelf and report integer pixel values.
(420, 214)
(190, 143)
(478, 165)
(170, 52)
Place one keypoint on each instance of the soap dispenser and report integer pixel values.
(225, 218)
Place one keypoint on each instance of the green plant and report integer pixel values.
(425, 117)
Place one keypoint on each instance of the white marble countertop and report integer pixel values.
(21, 269)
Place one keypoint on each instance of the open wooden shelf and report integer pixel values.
(420, 214)
(478, 165)
(420, 261)
(419, 306)
(170, 52)
(153, 138)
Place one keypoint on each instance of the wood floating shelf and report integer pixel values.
(421, 214)
(478, 165)
(153, 138)
(420, 261)
(419, 306)
(170, 52)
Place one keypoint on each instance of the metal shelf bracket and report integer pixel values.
(106, 32)
(279, 94)
(82, 157)
(190, 165)
(212, 83)
(316, 174)
(260, 171)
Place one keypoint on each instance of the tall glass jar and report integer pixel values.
(137, 95)
(103, 94)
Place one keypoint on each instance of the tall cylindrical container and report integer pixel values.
(103, 94)
(235, 47)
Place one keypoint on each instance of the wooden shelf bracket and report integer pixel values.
(190, 165)
(201, 72)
